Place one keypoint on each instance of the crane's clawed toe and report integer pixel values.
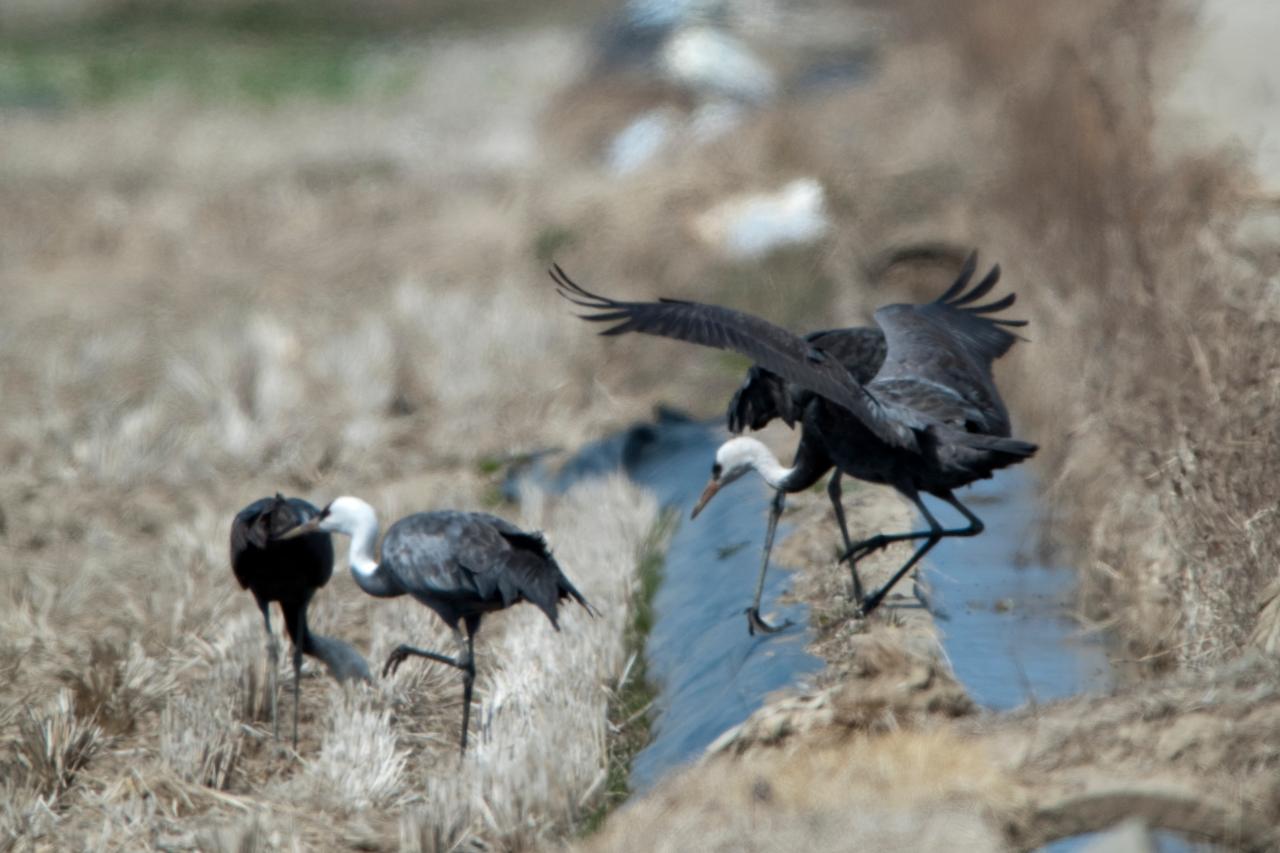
(757, 625)
(397, 657)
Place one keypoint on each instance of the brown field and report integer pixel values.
(239, 255)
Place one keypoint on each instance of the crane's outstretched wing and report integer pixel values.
(772, 347)
(946, 347)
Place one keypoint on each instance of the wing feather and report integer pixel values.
(772, 347)
(950, 348)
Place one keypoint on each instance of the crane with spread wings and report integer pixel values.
(930, 420)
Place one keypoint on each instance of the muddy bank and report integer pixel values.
(887, 751)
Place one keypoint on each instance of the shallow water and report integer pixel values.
(1003, 612)
(1165, 842)
(709, 673)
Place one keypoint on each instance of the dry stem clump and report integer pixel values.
(1154, 330)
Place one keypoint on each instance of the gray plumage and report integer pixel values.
(468, 563)
(930, 420)
(462, 565)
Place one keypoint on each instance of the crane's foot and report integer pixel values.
(403, 652)
(865, 548)
(398, 656)
(856, 594)
(870, 603)
(756, 623)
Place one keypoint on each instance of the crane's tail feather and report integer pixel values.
(532, 574)
(343, 662)
(1011, 446)
(568, 590)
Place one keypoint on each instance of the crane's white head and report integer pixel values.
(346, 514)
(734, 458)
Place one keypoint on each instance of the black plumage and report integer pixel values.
(764, 396)
(930, 420)
(289, 572)
(462, 565)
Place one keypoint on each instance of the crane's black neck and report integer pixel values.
(810, 463)
(343, 662)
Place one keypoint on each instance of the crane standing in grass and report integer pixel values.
(289, 573)
(931, 420)
(462, 565)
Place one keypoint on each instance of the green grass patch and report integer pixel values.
(630, 723)
(199, 67)
(344, 18)
(550, 242)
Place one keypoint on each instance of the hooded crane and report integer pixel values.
(289, 573)
(462, 565)
(764, 396)
(931, 420)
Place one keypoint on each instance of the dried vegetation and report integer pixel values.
(1155, 371)
(207, 300)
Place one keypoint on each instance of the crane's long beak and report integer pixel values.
(708, 493)
(302, 529)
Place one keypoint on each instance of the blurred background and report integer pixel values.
(249, 245)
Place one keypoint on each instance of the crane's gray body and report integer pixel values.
(464, 564)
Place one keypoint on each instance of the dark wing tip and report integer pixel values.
(577, 294)
(962, 279)
(980, 289)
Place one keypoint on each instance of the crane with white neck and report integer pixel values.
(930, 421)
(462, 565)
(765, 396)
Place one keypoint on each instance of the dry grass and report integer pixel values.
(908, 790)
(208, 302)
(1154, 334)
(373, 764)
(183, 335)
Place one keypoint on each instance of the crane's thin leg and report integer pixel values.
(465, 661)
(754, 621)
(937, 533)
(866, 547)
(297, 669)
(835, 493)
(402, 652)
(273, 657)
(468, 681)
